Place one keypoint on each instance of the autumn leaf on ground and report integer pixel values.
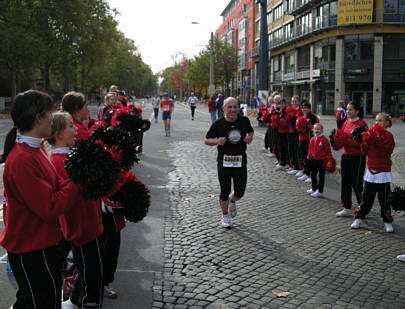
(281, 294)
(211, 195)
(187, 198)
(368, 233)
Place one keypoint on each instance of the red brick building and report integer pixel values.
(238, 29)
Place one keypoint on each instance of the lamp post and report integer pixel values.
(211, 85)
(263, 54)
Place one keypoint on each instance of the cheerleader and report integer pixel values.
(319, 151)
(291, 116)
(75, 104)
(353, 162)
(81, 225)
(283, 129)
(340, 114)
(378, 144)
(35, 197)
(110, 102)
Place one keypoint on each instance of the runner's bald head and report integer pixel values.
(230, 100)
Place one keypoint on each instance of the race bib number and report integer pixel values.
(166, 108)
(232, 161)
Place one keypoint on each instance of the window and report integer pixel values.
(278, 12)
(276, 63)
(278, 36)
(289, 31)
(269, 18)
(289, 5)
(359, 50)
(289, 62)
(303, 57)
(394, 46)
(304, 24)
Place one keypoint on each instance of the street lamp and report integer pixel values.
(211, 87)
(263, 54)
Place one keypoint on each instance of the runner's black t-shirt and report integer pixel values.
(235, 132)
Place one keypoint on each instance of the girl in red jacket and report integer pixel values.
(283, 129)
(319, 150)
(378, 144)
(353, 162)
(340, 114)
(81, 226)
(35, 197)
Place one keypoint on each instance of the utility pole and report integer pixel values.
(263, 54)
(212, 83)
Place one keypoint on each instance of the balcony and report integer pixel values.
(302, 6)
(322, 22)
(389, 16)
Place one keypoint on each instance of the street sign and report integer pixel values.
(246, 87)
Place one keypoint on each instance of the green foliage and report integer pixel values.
(59, 45)
(198, 72)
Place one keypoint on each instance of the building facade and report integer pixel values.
(238, 29)
(326, 51)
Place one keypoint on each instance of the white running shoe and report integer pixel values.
(270, 155)
(68, 305)
(299, 174)
(308, 180)
(310, 191)
(357, 223)
(232, 208)
(388, 227)
(401, 258)
(226, 221)
(292, 172)
(317, 194)
(344, 213)
(279, 167)
(303, 177)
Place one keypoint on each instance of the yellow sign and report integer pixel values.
(355, 12)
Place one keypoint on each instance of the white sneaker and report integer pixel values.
(299, 174)
(310, 191)
(303, 177)
(317, 194)
(308, 180)
(279, 167)
(69, 305)
(226, 221)
(388, 227)
(344, 213)
(357, 223)
(292, 172)
(270, 155)
(232, 208)
(401, 258)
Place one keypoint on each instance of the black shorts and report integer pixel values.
(225, 177)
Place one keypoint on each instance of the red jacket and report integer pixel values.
(379, 154)
(82, 130)
(319, 148)
(35, 196)
(211, 106)
(82, 223)
(351, 147)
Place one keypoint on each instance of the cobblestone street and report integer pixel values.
(281, 241)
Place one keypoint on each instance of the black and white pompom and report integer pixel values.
(93, 167)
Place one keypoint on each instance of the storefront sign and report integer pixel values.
(316, 73)
(303, 74)
(355, 12)
(357, 71)
(288, 76)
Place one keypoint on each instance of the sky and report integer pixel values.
(163, 29)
